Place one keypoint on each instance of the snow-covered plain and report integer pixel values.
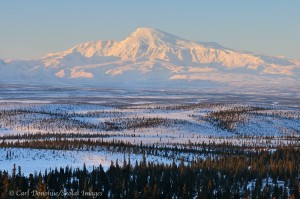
(163, 118)
(38, 160)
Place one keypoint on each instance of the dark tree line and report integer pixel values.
(170, 151)
(225, 176)
(32, 136)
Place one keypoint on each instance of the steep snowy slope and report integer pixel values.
(152, 57)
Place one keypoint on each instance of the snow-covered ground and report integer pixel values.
(176, 123)
(147, 117)
(36, 160)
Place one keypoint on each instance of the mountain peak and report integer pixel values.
(153, 57)
(147, 31)
(146, 48)
(152, 36)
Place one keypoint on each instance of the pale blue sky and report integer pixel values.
(32, 28)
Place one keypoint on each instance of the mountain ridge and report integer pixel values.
(150, 56)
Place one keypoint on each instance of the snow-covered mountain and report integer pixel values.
(150, 57)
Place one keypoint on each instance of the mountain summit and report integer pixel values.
(152, 57)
